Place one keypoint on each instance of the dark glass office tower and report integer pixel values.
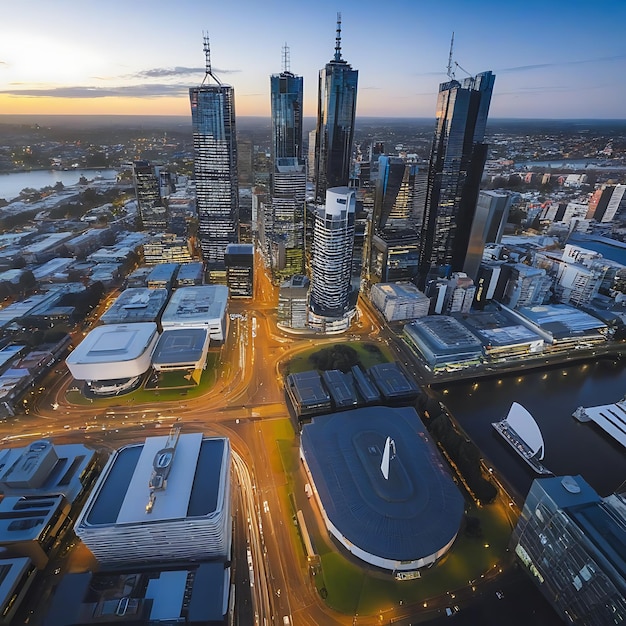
(288, 179)
(151, 210)
(215, 168)
(457, 161)
(286, 92)
(336, 108)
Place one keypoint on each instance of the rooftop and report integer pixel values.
(414, 513)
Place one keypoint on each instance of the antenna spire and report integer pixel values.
(338, 39)
(286, 59)
(208, 71)
(450, 71)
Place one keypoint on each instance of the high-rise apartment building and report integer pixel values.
(215, 168)
(457, 161)
(336, 108)
(288, 178)
(331, 261)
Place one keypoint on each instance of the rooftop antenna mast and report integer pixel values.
(338, 39)
(286, 60)
(450, 70)
(207, 61)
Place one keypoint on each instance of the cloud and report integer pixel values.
(4, 63)
(168, 72)
(370, 88)
(164, 72)
(537, 66)
(137, 91)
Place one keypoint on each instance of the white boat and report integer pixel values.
(520, 430)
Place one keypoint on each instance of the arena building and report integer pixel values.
(112, 358)
(381, 485)
(131, 506)
(201, 306)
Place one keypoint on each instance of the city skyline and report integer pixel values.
(553, 60)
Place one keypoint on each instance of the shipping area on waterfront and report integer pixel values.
(551, 394)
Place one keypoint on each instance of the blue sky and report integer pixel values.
(552, 58)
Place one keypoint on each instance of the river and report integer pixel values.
(12, 183)
(551, 395)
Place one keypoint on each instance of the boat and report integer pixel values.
(520, 430)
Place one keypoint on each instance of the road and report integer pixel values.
(247, 396)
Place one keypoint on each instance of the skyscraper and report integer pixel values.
(215, 168)
(286, 91)
(288, 179)
(393, 204)
(492, 211)
(336, 108)
(151, 210)
(331, 261)
(457, 160)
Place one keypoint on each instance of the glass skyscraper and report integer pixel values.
(215, 169)
(457, 161)
(286, 92)
(336, 109)
(288, 180)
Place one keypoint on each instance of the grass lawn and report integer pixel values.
(369, 354)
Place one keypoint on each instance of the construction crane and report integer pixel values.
(451, 63)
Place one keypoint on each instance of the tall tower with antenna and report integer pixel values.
(336, 110)
(457, 160)
(215, 167)
(284, 228)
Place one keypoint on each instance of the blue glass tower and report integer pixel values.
(457, 160)
(288, 180)
(336, 109)
(286, 92)
(215, 168)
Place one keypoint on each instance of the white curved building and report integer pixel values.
(112, 354)
(331, 262)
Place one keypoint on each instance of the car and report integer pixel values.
(452, 610)
(499, 595)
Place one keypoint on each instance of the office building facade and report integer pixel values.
(288, 179)
(336, 108)
(457, 161)
(239, 259)
(215, 169)
(152, 213)
(571, 543)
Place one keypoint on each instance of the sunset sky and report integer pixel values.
(552, 58)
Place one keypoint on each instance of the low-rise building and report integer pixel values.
(127, 507)
(571, 542)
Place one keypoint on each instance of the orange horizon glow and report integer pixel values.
(42, 105)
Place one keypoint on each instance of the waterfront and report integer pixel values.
(12, 183)
(551, 395)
